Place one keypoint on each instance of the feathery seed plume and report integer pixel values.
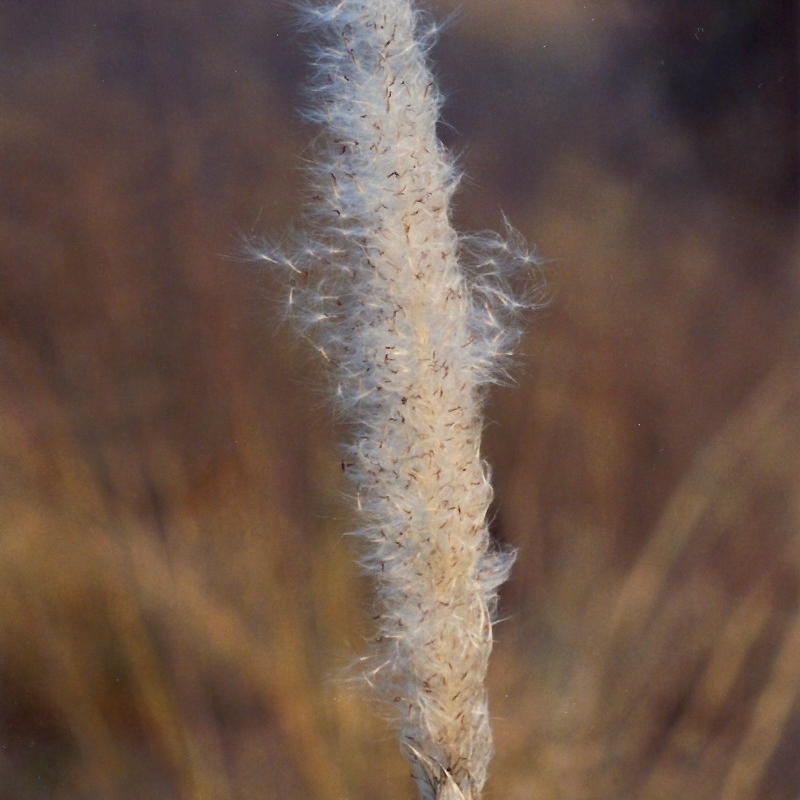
(415, 320)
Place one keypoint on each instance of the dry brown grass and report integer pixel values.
(178, 605)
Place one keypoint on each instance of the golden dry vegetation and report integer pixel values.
(179, 613)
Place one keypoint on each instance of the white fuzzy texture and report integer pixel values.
(415, 320)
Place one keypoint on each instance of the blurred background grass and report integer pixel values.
(178, 611)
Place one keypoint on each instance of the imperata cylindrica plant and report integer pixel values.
(415, 321)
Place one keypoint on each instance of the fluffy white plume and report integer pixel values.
(415, 320)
